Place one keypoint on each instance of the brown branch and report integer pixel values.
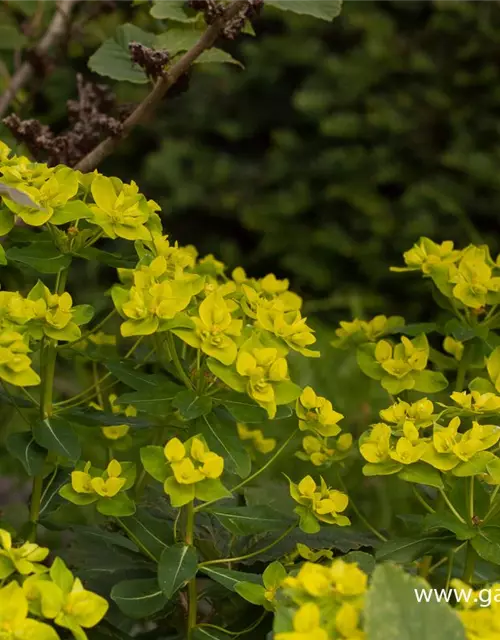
(54, 33)
(152, 100)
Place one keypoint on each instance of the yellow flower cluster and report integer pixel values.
(318, 504)
(323, 451)
(46, 594)
(116, 431)
(359, 331)
(481, 619)
(329, 601)
(256, 438)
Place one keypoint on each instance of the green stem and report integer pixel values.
(422, 501)
(177, 363)
(36, 498)
(353, 506)
(250, 555)
(425, 566)
(254, 625)
(471, 500)
(462, 370)
(470, 562)
(88, 333)
(254, 475)
(451, 507)
(191, 588)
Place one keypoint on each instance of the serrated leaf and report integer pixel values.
(58, 436)
(139, 598)
(323, 9)
(23, 447)
(245, 521)
(41, 256)
(113, 60)
(229, 578)
(178, 564)
(221, 438)
(392, 612)
(190, 405)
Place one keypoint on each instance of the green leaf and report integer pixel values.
(487, 544)
(139, 380)
(221, 437)
(178, 564)
(152, 533)
(82, 314)
(408, 549)
(241, 407)
(323, 9)
(392, 612)
(42, 256)
(119, 506)
(207, 633)
(3, 257)
(365, 357)
(81, 499)
(229, 578)
(246, 521)
(11, 38)
(154, 461)
(89, 417)
(211, 489)
(156, 403)
(113, 60)
(476, 465)
(191, 405)
(177, 39)
(365, 561)
(447, 521)
(251, 592)
(58, 436)
(105, 257)
(70, 212)
(429, 381)
(216, 55)
(422, 473)
(23, 447)
(139, 598)
(171, 10)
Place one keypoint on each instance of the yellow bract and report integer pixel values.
(15, 364)
(290, 327)
(256, 437)
(359, 331)
(24, 559)
(426, 255)
(454, 347)
(14, 621)
(106, 486)
(306, 624)
(477, 402)
(316, 414)
(319, 503)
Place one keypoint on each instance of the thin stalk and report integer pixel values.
(451, 507)
(422, 500)
(471, 500)
(254, 475)
(254, 625)
(191, 588)
(250, 555)
(425, 567)
(353, 506)
(470, 563)
(88, 333)
(462, 370)
(177, 363)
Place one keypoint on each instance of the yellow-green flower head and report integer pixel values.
(106, 486)
(480, 619)
(115, 432)
(441, 454)
(119, 209)
(476, 402)
(53, 191)
(453, 347)
(214, 330)
(24, 559)
(15, 364)
(102, 339)
(341, 578)
(404, 357)
(473, 279)
(209, 265)
(256, 438)
(316, 414)
(306, 625)
(347, 622)
(407, 452)
(271, 286)
(419, 412)
(479, 438)
(177, 259)
(318, 504)
(426, 255)
(320, 451)
(14, 621)
(264, 369)
(348, 578)
(359, 331)
(53, 315)
(375, 445)
(290, 327)
(15, 311)
(312, 579)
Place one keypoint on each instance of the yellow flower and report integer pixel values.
(53, 315)
(375, 445)
(290, 327)
(259, 442)
(453, 347)
(320, 451)
(473, 278)
(407, 452)
(347, 622)
(110, 483)
(214, 330)
(24, 559)
(316, 414)
(419, 412)
(477, 402)
(14, 621)
(306, 625)
(359, 331)
(175, 451)
(312, 578)
(318, 504)
(348, 578)
(185, 472)
(81, 480)
(15, 364)
(212, 465)
(426, 255)
(441, 454)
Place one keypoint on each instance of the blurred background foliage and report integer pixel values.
(323, 160)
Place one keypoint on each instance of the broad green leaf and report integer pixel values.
(421, 473)
(178, 39)
(113, 60)
(246, 521)
(171, 10)
(139, 598)
(58, 436)
(251, 592)
(119, 506)
(228, 577)
(475, 466)
(11, 38)
(323, 9)
(365, 357)
(82, 314)
(365, 561)
(3, 257)
(403, 550)
(222, 438)
(178, 564)
(43, 257)
(111, 259)
(191, 405)
(70, 212)
(156, 403)
(429, 381)
(447, 521)
(216, 55)
(23, 447)
(241, 407)
(95, 535)
(487, 544)
(392, 612)
(68, 493)
(154, 461)
(152, 533)
(139, 380)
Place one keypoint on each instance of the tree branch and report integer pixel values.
(152, 100)
(54, 33)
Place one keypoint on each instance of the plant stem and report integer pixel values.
(451, 507)
(422, 501)
(471, 500)
(462, 370)
(253, 553)
(425, 566)
(470, 562)
(353, 506)
(254, 475)
(177, 363)
(88, 333)
(192, 595)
